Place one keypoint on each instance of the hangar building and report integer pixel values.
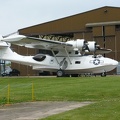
(101, 25)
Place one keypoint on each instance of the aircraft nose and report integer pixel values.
(114, 62)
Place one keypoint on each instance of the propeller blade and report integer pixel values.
(85, 47)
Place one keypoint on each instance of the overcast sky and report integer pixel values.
(17, 14)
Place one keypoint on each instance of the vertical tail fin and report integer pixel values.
(4, 49)
(1, 37)
(7, 54)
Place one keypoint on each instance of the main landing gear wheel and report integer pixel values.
(60, 73)
(103, 74)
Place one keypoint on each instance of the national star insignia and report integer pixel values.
(96, 62)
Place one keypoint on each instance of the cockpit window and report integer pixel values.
(39, 57)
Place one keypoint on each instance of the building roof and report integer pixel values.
(74, 23)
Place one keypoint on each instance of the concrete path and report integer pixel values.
(37, 110)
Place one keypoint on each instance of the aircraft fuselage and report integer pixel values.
(77, 65)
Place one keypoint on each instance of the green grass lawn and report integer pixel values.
(104, 91)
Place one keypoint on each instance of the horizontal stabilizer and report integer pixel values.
(4, 44)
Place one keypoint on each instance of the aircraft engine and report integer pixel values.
(78, 44)
(92, 46)
(84, 46)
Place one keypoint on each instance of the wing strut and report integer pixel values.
(55, 56)
(68, 55)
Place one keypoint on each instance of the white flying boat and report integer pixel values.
(67, 57)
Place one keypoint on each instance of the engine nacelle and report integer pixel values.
(92, 46)
(83, 46)
(77, 44)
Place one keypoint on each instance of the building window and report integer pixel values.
(117, 27)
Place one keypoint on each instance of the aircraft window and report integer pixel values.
(77, 62)
(39, 57)
(51, 61)
(99, 56)
(76, 52)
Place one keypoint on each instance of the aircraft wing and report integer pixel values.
(38, 43)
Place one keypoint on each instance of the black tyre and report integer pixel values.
(60, 73)
(103, 74)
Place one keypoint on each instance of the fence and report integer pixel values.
(17, 93)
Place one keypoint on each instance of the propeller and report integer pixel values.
(85, 46)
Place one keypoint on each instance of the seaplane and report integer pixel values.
(67, 58)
